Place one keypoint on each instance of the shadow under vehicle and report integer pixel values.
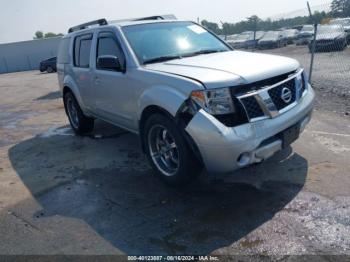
(115, 199)
(329, 38)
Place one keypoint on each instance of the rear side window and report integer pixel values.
(63, 51)
(82, 50)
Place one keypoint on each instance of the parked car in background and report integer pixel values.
(297, 27)
(345, 23)
(247, 40)
(48, 65)
(330, 38)
(290, 35)
(259, 35)
(231, 38)
(223, 37)
(305, 35)
(241, 39)
(272, 39)
(194, 102)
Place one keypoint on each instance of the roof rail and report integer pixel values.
(99, 22)
(155, 17)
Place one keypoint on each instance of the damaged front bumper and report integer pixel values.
(225, 149)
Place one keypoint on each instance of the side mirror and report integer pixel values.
(109, 62)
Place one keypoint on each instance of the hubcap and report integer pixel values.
(163, 150)
(72, 112)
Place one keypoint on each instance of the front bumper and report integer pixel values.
(329, 45)
(224, 149)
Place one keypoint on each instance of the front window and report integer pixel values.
(157, 42)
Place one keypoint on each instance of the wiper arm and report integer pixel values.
(161, 59)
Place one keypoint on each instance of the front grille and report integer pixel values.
(252, 107)
(324, 42)
(243, 89)
(277, 98)
(277, 93)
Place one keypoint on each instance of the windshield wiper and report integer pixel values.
(203, 52)
(171, 57)
(161, 59)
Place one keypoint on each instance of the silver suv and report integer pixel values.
(193, 100)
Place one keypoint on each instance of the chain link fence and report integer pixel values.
(318, 38)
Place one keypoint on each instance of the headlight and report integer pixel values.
(215, 102)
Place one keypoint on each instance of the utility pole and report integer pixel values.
(313, 42)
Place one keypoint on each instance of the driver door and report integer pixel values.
(111, 92)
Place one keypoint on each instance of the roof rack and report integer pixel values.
(99, 22)
(155, 17)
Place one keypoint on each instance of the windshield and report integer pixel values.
(245, 36)
(307, 28)
(271, 35)
(329, 29)
(343, 22)
(232, 37)
(259, 34)
(165, 41)
(290, 32)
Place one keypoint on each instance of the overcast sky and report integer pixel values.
(19, 19)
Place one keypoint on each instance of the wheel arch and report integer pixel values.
(155, 109)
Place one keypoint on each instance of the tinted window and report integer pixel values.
(108, 45)
(82, 50)
(84, 53)
(63, 51)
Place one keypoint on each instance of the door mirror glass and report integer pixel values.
(108, 62)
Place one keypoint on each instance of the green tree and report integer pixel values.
(252, 22)
(340, 8)
(50, 34)
(211, 26)
(38, 35)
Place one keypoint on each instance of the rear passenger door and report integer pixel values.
(82, 69)
(111, 93)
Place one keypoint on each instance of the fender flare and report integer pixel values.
(164, 97)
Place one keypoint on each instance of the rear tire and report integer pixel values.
(168, 152)
(80, 123)
(49, 69)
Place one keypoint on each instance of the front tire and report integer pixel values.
(80, 123)
(168, 152)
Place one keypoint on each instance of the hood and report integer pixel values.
(328, 36)
(228, 68)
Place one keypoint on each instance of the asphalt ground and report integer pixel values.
(96, 195)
